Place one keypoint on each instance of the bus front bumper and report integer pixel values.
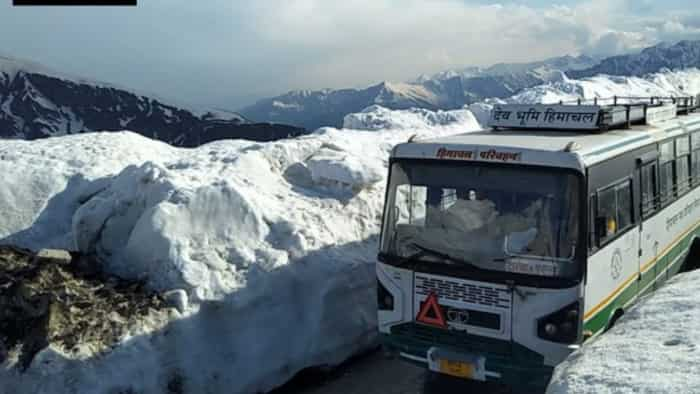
(519, 367)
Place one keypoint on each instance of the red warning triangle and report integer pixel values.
(431, 313)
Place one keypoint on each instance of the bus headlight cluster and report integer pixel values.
(561, 326)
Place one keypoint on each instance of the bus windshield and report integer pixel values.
(502, 218)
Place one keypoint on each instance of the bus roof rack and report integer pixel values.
(596, 115)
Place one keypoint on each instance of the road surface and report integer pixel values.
(375, 374)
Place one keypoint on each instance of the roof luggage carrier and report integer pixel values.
(596, 115)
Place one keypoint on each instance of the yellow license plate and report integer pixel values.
(457, 368)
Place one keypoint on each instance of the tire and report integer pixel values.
(692, 260)
(616, 316)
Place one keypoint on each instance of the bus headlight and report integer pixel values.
(561, 326)
(385, 301)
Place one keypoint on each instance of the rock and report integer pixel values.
(48, 300)
(177, 299)
(54, 256)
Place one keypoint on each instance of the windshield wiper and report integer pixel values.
(422, 251)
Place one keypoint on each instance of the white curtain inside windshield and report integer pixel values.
(481, 215)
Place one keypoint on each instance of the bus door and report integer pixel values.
(650, 224)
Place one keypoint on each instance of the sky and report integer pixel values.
(229, 53)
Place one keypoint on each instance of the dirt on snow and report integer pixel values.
(63, 300)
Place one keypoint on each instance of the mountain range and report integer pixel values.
(447, 90)
(683, 54)
(36, 102)
(455, 88)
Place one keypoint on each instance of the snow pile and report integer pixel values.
(379, 118)
(44, 182)
(272, 244)
(652, 349)
(664, 84)
(333, 166)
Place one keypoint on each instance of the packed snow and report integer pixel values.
(268, 249)
(380, 118)
(662, 84)
(652, 349)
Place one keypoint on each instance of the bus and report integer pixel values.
(503, 250)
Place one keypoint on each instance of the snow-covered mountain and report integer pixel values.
(314, 109)
(36, 102)
(682, 55)
(542, 69)
(446, 90)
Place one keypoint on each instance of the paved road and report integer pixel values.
(374, 374)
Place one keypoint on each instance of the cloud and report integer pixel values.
(227, 53)
(370, 40)
(616, 42)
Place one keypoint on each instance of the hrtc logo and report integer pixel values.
(457, 316)
(74, 2)
(616, 264)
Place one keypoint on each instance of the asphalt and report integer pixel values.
(373, 373)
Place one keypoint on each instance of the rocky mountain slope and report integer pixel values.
(447, 90)
(36, 102)
(682, 55)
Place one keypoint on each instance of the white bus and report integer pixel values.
(503, 250)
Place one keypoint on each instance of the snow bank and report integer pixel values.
(379, 118)
(44, 182)
(668, 83)
(652, 349)
(273, 243)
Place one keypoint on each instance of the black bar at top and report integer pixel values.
(74, 2)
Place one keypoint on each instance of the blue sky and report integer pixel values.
(227, 53)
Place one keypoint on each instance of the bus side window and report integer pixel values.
(682, 165)
(624, 206)
(695, 167)
(650, 196)
(606, 217)
(666, 176)
(614, 211)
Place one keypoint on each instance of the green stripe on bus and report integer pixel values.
(600, 320)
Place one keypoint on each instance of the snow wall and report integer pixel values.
(272, 243)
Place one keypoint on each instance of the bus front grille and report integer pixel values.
(478, 293)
